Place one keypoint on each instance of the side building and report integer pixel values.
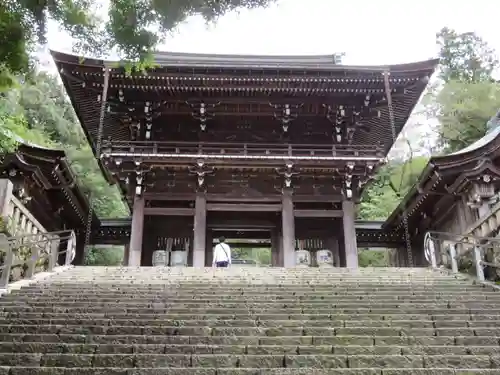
(456, 195)
(209, 145)
(39, 193)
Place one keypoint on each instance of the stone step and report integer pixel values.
(193, 284)
(365, 271)
(356, 294)
(253, 278)
(249, 361)
(250, 311)
(20, 295)
(259, 317)
(326, 323)
(217, 300)
(201, 282)
(254, 304)
(362, 340)
(64, 348)
(239, 371)
(269, 331)
(152, 321)
(215, 311)
(274, 283)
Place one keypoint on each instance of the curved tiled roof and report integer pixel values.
(317, 62)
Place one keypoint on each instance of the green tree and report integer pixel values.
(37, 111)
(467, 96)
(390, 185)
(104, 256)
(132, 28)
(465, 109)
(465, 57)
(261, 255)
(373, 258)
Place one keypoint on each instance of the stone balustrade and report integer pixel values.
(488, 225)
(20, 225)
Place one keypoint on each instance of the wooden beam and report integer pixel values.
(263, 235)
(238, 224)
(224, 198)
(248, 245)
(243, 207)
(318, 213)
(164, 211)
(150, 196)
(316, 198)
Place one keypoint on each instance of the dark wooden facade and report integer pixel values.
(216, 144)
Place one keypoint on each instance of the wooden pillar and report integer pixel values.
(149, 242)
(332, 244)
(200, 230)
(190, 253)
(351, 246)
(288, 223)
(126, 254)
(275, 248)
(136, 234)
(209, 252)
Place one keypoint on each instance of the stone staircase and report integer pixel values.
(250, 321)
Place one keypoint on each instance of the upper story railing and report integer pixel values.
(155, 149)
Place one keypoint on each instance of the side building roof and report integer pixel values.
(444, 179)
(57, 200)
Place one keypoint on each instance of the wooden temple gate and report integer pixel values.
(203, 145)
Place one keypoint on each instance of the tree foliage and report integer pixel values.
(391, 184)
(38, 112)
(104, 256)
(373, 258)
(464, 111)
(465, 57)
(467, 95)
(132, 28)
(462, 102)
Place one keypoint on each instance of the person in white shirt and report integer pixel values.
(222, 254)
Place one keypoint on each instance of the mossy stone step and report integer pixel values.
(65, 348)
(248, 361)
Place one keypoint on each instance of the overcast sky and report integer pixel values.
(368, 32)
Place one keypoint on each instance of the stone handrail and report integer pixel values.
(486, 225)
(26, 247)
(437, 242)
(20, 219)
(20, 222)
(23, 256)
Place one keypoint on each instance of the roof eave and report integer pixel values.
(313, 62)
(424, 177)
